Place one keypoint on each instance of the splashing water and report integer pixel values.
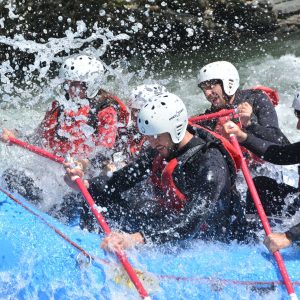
(24, 100)
(44, 55)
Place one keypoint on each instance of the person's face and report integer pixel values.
(162, 143)
(75, 89)
(213, 92)
(297, 114)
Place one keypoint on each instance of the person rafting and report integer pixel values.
(84, 116)
(256, 114)
(139, 96)
(270, 190)
(133, 141)
(192, 176)
(269, 151)
(83, 120)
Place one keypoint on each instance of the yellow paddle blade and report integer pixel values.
(148, 280)
(119, 275)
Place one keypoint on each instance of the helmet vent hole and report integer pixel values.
(139, 120)
(204, 70)
(163, 103)
(146, 122)
(72, 68)
(153, 107)
(179, 129)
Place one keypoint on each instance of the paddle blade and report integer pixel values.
(120, 276)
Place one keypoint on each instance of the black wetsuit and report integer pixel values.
(264, 121)
(272, 193)
(264, 128)
(281, 155)
(293, 233)
(276, 154)
(212, 209)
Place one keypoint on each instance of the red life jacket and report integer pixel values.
(162, 171)
(122, 109)
(64, 131)
(272, 94)
(225, 146)
(162, 179)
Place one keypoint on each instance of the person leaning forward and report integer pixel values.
(192, 177)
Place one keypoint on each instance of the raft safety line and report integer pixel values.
(75, 245)
(204, 280)
(210, 280)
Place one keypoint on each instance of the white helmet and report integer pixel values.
(296, 102)
(144, 93)
(86, 69)
(224, 71)
(165, 113)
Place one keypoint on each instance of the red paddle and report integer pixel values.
(263, 218)
(101, 220)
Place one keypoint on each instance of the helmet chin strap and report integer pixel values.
(173, 151)
(226, 97)
(67, 96)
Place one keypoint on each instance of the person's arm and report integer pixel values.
(283, 155)
(269, 151)
(256, 145)
(277, 241)
(293, 234)
(122, 180)
(36, 138)
(6, 135)
(207, 182)
(119, 241)
(276, 154)
(264, 122)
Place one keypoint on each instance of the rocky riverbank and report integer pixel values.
(153, 26)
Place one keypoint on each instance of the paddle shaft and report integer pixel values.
(120, 254)
(36, 150)
(101, 220)
(222, 113)
(263, 217)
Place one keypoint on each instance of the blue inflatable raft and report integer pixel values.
(43, 259)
